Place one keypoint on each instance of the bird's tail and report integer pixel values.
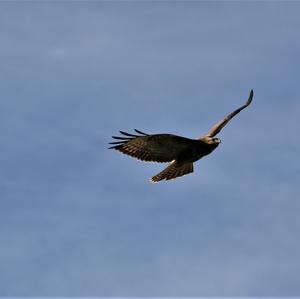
(173, 171)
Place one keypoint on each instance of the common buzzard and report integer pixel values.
(180, 151)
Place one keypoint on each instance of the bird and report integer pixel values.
(180, 151)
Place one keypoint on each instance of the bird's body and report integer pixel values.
(180, 151)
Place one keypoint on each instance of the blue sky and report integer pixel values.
(80, 220)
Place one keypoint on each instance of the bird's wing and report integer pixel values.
(222, 123)
(155, 148)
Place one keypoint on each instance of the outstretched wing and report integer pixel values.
(222, 123)
(151, 148)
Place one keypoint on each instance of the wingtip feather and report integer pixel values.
(140, 132)
(250, 97)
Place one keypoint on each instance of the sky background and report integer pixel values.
(78, 219)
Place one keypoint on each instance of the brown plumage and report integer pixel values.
(180, 151)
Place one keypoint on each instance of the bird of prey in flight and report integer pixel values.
(182, 152)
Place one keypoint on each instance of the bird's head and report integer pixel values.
(211, 140)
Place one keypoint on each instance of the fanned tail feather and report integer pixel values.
(173, 171)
